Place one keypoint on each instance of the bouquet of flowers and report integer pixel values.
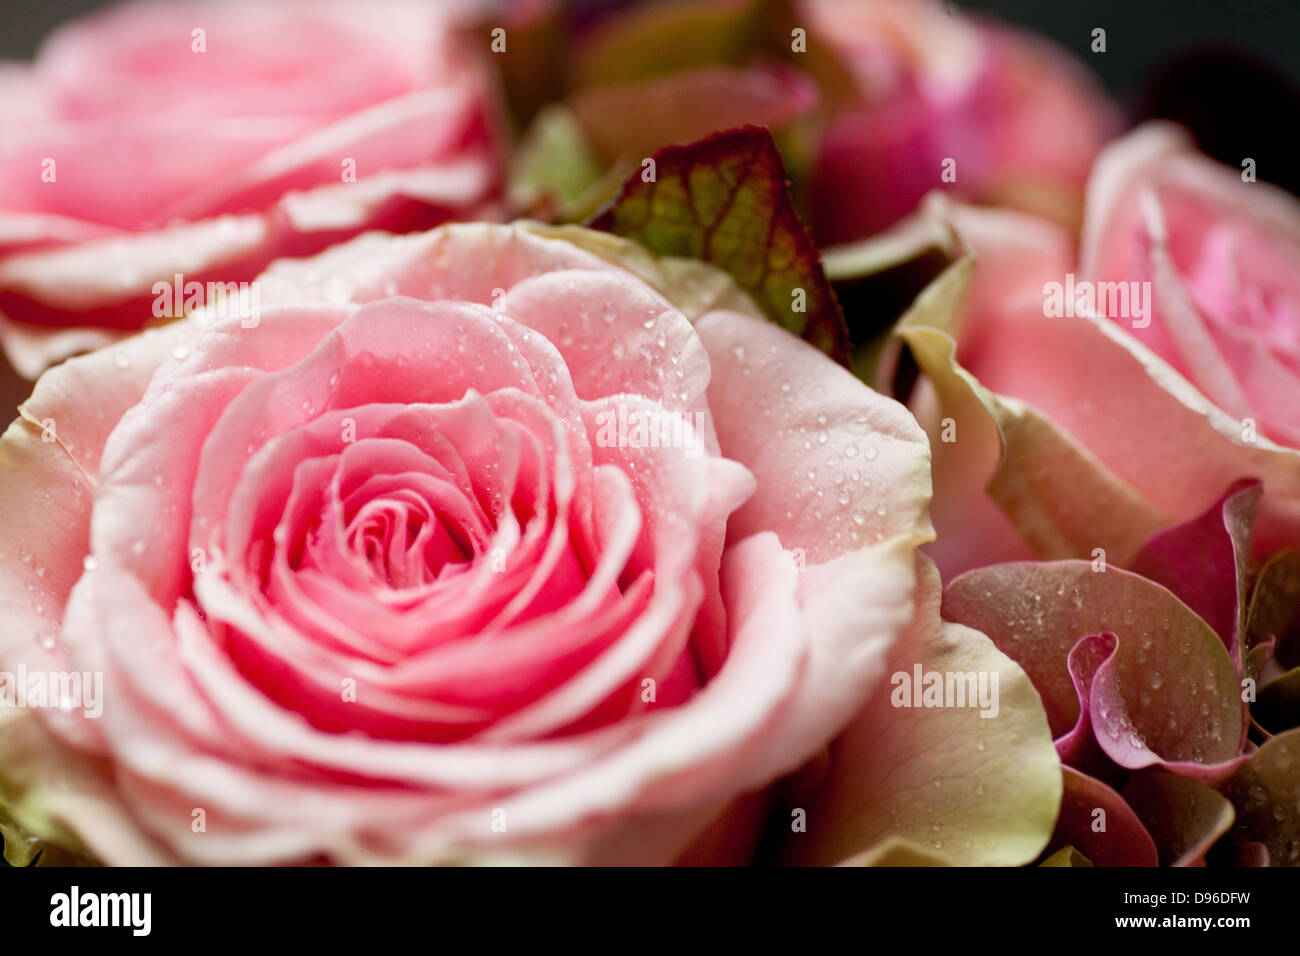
(710, 432)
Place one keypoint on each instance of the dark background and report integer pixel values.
(1141, 35)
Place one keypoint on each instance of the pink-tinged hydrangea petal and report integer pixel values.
(1184, 817)
(1098, 823)
(800, 425)
(1273, 638)
(1265, 791)
(1157, 731)
(1206, 562)
(1167, 693)
(1079, 747)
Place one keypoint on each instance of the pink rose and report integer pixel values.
(1087, 427)
(476, 547)
(1102, 520)
(206, 139)
(1222, 255)
(1003, 116)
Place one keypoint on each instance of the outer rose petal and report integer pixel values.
(45, 496)
(804, 426)
(944, 782)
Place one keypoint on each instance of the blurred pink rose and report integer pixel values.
(390, 576)
(1020, 119)
(1155, 399)
(207, 139)
(1222, 255)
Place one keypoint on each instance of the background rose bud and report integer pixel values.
(209, 138)
(1010, 118)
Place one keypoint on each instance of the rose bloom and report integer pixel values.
(376, 580)
(1019, 117)
(1222, 255)
(1137, 396)
(206, 139)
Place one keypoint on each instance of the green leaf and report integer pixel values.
(725, 200)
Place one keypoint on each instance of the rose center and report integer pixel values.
(406, 543)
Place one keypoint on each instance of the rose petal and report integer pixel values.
(966, 789)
